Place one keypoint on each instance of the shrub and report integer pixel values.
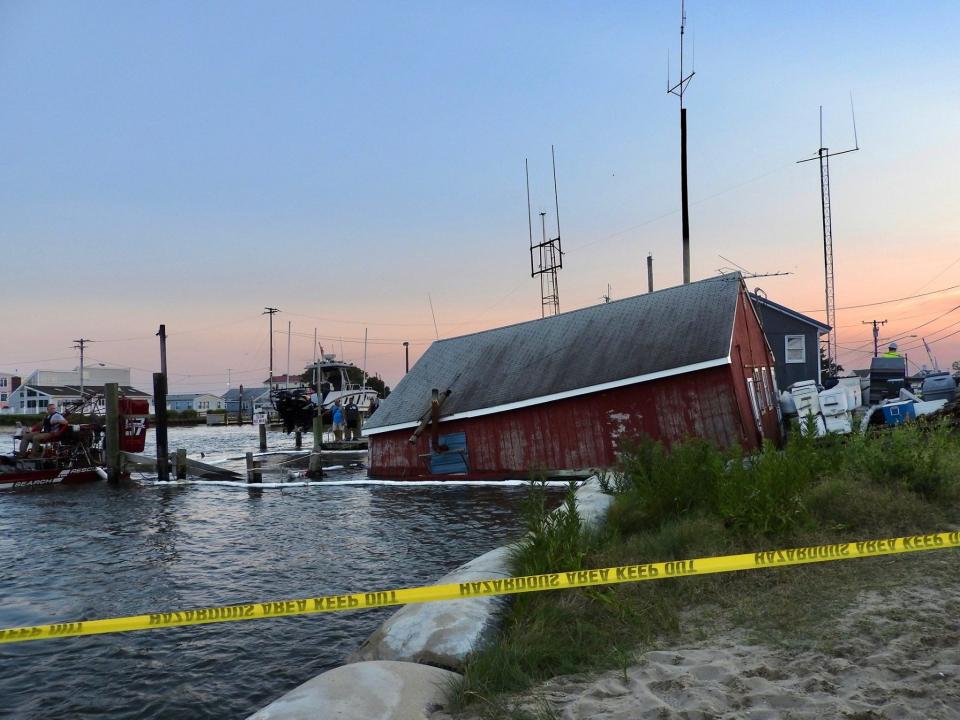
(660, 486)
(555, 540)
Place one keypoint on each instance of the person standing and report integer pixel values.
(52, 427)
(336, 415)
(892, 351)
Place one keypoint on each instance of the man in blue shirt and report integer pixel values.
(336, 413)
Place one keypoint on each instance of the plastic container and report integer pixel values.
(898, 413)
(939, 387)
(834, 401)
(806, 397)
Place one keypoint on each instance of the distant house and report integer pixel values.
(199, 402)
(794, 339)
(33, 399)
(8, 383)
(561, 393)
(253, 398)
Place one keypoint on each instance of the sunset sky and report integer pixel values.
(190, 163)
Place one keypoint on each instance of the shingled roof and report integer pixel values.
(642, 338)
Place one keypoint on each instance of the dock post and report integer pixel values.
(257, 475)
(316, 465)
(263, 437)
(253, 474)
(181, 464)
(160, 413)
(111, 441)
(298, 439)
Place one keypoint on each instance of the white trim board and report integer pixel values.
(684, 369)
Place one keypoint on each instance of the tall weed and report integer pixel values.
(555, 540)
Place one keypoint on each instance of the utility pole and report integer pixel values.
(649, 272)
(678, 89)
(406, 353)
(876, 333)
(271, 311)
(80, 345)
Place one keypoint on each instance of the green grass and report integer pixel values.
(696, 501)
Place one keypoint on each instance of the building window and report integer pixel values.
(767, 390)
(796, 349)
(754, 405)
(3, 382)
(3, 397)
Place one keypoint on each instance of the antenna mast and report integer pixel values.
(824, 155)
(678, 89)
(548, 252)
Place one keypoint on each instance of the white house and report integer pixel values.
(201, 402)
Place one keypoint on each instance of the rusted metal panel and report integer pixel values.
(578, 433)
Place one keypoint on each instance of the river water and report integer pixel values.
(97, 551)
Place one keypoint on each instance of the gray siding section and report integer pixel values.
(627, 338)
(776, 326)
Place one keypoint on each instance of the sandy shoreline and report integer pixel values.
(893, 654)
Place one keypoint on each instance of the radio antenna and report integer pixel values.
(829, 292)
(678, 89)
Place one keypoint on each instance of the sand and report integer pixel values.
(894, 653)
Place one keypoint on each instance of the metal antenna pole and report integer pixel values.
(823, 156)
(678, 89)
(549, 250)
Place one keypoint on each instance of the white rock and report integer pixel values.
(365, 691)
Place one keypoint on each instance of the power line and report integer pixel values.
(887, 302)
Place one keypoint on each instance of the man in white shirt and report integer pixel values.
(53, 426)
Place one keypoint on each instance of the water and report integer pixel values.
(98, 551)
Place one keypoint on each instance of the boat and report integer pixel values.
(297, 406)
(76, 455)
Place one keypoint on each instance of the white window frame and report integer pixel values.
(767, 390)
(752, 392)
(787, 348)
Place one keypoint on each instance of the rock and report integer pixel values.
(445, 633)
(592, 503)
(365, 691)
(442, 633)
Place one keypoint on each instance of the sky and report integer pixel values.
(354, 164)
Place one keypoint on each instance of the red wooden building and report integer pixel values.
(560, 393)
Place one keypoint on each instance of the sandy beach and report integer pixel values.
(893, 654)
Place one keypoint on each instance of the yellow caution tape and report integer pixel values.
(482, 588)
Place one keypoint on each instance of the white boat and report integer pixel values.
(329, 381)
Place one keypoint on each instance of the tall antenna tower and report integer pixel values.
(824, 155)
(678, 89)
(546, 257)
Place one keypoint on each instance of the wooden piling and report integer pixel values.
(249, 459)
(298, 440)
(111, 441)
(181, 464)
(160, 414)
(315, 469)
(263, 437)
(257, 475)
